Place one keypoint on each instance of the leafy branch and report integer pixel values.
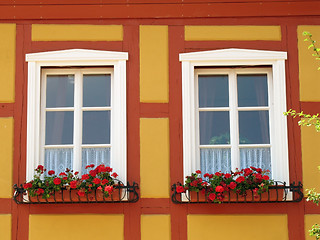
(306, 119)
(312, 45)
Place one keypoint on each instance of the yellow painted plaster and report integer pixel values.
(240, 227)
(309, 76)
(309, 221)
(7, 61)
(154, 64)
(80, 227)
(310, 140)
(154, 158)
(5, 226)
(76, 32)
(6, 156)
(155, 227)
(232, 33)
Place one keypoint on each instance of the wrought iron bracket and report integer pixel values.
(121, 194)
(278, 193)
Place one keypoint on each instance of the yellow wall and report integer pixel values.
(5, 226)
(80, 227)
(154, 158)
(309, 221)
(310, 140)
(76, 32)
(240, 227)
(6, 156)
(155, 227)
(309, 76)
(154, 69)
(232, 33)
(7, 61)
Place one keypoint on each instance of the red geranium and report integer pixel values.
(180, 189)
(212, 196)
(219, 189)
(96, 181)
(57, 181)
(85, 177)
(104, 181)
(73, 184)
(27, 185)
(40, 191)
(114, 175)
(240, 179)
(51, 172)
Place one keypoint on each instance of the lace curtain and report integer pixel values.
(58, 159)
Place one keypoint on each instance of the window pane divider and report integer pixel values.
(96, 146)
(215, 146)
(69, 109)
(253, 108)
(96, 109)
(214, 109)
(58, 146)
(254, 145)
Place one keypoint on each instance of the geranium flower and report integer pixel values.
(40, 191)
(114, 175)
(104, 181)
(265, 177)
(81, 193)
(180, 189)
(212, 196)
(57, 181)
(96, 181)
(227, 175)
(93, 173)
(108, 189)
(73, 184)
(62, 174)
(198, 172)
(27, 185)
(219, 189)
(85, 177)
(51, 172)
(240, 179)
(232, 185)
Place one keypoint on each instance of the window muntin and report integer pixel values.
(76, 117)
(233, 118)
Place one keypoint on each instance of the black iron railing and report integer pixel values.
(279, 193)
(121, 193)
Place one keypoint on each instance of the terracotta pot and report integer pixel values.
(271, 195)
(197, 196)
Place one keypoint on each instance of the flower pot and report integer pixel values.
(197, 196)
(271, 195)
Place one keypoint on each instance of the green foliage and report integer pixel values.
(312, 45)
(315, 231)
(313, 196)
(306, 119)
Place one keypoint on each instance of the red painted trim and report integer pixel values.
(311, 208)
(310, 107)
(176, 46)
(6, 109)
(154, 110)
(132, 211)
(155, 202)
(180, 10)
(158, 210)
(95, 208)
(5, 205)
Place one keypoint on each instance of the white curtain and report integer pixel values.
(257, 157)
(58, 159)
(94, 156)
(215, 159)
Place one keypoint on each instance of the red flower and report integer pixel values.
(85, 177)
(212, 196)
(99, 188)
(219, 189)
(80, 193)
(41, 168)
(88, 166)
(180, 189)
(65, 178)
(114, 175)
(259, 170)
(240, 179)
(96, 181)
(227, 175)
(27, 185)
(265, 177)
(232, 185)
(93, 173)
(76, 173)
(40, 191)
(206, 175)
(108, 169)
(211, 176)
(62, 174)
(258, 176)
(57, 181)
(51, 172)
(104, 181)
(198, 172)
(247, 171)
(218, 174)
(73, 184)
(108, 189)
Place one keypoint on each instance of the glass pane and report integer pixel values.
(94, 156)
(215, 159)
(58, 159)
(252, 90)
(256, 157)
(213, 91)
(96, 127)
(254, 127)
(214, 128)
(60, 91)
(96, 90)
(59, 128)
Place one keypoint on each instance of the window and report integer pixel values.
(233, 104)
(76, 110)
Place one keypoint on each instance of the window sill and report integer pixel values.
(278, 193)
(121, 194)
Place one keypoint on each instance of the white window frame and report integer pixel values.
(75, 58)
(235, 57)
